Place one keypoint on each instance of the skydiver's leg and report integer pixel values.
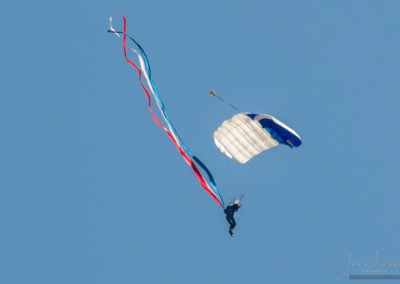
(228, 218)
(231, 221)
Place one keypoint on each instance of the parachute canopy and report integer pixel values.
(246, 135)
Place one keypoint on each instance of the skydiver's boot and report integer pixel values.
(231, 232)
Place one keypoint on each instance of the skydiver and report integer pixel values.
(229, 211)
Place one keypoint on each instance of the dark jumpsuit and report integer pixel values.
(229, 211)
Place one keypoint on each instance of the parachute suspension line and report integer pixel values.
(211, 189)
(212, 93)
(233, 199)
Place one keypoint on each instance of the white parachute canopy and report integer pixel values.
(246, 135)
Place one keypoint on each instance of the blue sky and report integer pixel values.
(92, 191)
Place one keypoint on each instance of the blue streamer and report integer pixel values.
(197, 160)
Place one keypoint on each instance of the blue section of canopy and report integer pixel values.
(278, 132)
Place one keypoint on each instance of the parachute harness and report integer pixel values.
(145, 69)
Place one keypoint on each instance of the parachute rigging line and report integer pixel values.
(210, 187)
(212, 93)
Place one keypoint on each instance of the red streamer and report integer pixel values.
(186, 157)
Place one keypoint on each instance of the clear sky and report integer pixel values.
(92, 191)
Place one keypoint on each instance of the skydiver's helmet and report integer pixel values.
(237, 202)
